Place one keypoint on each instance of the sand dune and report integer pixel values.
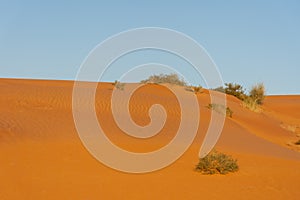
(42, 156)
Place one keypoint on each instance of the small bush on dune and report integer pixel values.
(256, 98)
(195, 89)
(229, 112)
(219, 89)
(119, 85)
(217, 163)
(198, 89)
(257, 93)
(221, 109)
(251, 104)
(165, 78)
(253, 100)
(189, 88)
(297, 143)
(235, 90)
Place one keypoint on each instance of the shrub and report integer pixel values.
(165, 78)
(198, 89)
(257, 93)
(195, 89)
(297, 143)
(221, 109)
(252, 101)
(119, 85)
(189, 88)
(219, 89)
(255, 98)
(235, 90)
(217, 163)
(251, 104)
(229, 112)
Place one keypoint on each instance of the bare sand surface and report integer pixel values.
(42, 156)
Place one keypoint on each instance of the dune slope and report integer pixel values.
(42, 156)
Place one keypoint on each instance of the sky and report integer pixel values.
(250, 41)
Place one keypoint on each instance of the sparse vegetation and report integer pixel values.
(195, 89)
(198, 89)
(219, 89)
(257, 93)
(255, 98)
(165, 78)
(250, 104)
(119, 85)
(221, 109)
(217, 163)
(235, 90)
(189, 88)
(252, 101)
(288, 127)
(297, 143)
(229, 112)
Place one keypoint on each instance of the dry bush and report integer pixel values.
(198, 89)
(257, 93)
(219, 89)
(189, 88)
(251, 104)
(119, 85)
(165, 78)
(255, 98)
(195, 89)
(217, 163)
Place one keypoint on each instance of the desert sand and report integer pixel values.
(42, 156)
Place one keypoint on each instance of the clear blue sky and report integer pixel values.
(250, 41)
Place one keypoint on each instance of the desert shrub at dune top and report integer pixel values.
(195, 89)
(257, 93)
(256, 98)
(165, 78)
(174, 80)
(217, 163)
(252, 101)
(119, 85)
(235, 90)
(219, 89)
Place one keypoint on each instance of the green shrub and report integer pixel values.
(165, 78)
(217, 163)
(119, 85)
(257, 93)
(235, 90)
(221, 109)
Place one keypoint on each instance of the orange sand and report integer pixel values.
(43, 158)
